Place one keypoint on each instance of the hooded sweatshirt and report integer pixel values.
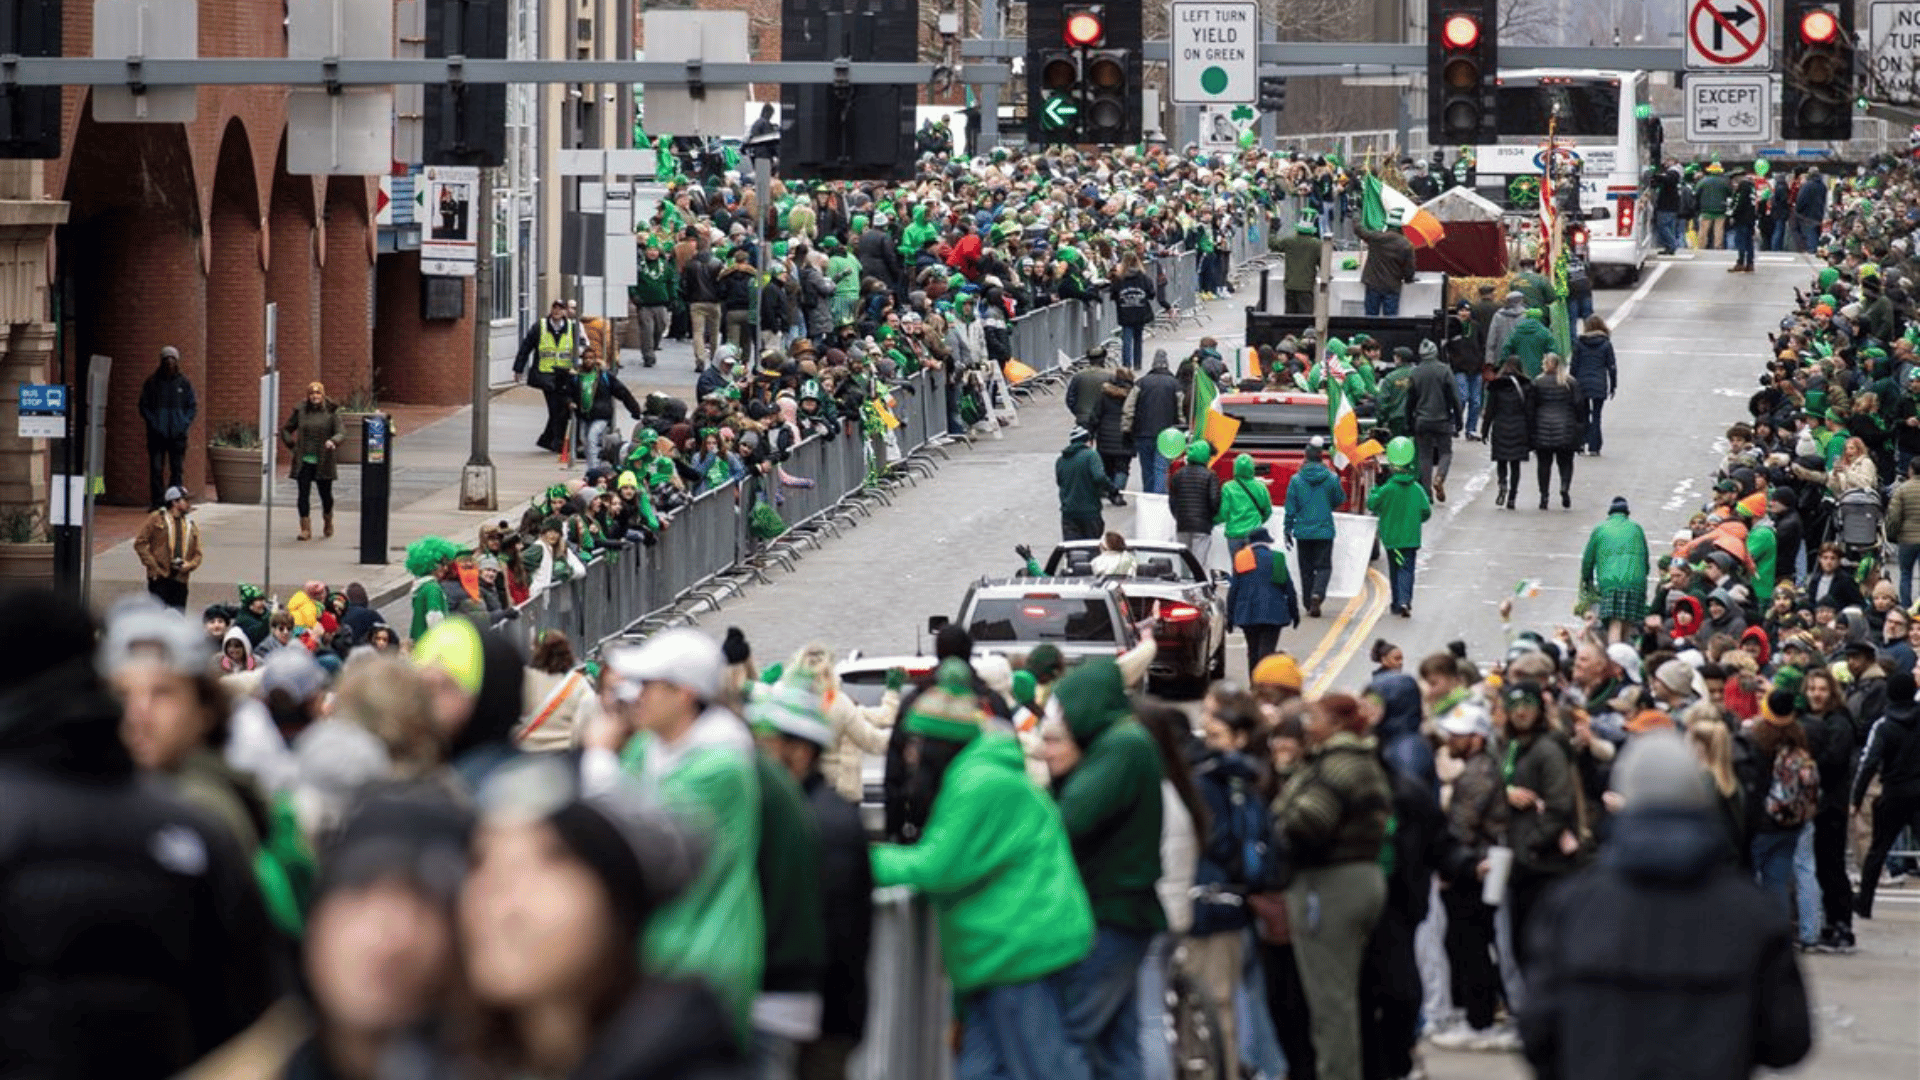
(1313, 495)
(1082, 481)
(998, 870)
(1402, 506)
(1245, 502)
(1111, 800)
(1403, 749)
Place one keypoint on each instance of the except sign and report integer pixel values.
(1729, 34)
(1214, 52)
(1893, 46)
(1729, 108)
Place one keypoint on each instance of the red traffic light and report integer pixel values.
(1819, 27)
(1460, 32)
(1085, 30)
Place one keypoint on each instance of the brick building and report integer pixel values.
(180, 235)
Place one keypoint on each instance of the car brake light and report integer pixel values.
(1179, 613)
(1042, 596)
(1034, 612)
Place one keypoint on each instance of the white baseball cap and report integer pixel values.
(683, 657)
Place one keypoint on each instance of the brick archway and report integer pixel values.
(236, 288)
(293, 280)
(129, 280)
(346, 291)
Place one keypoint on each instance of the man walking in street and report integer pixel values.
(1261, 601)
(554, 345)
(1083, 390)
(1193, 495)
(1300, 250)
(1083, 484)
(1402, 507)
(700, 288)
(167, 407)
(653, 295)
(169, 549)
(1433, 415)
(1152, 407)
(1312, 496)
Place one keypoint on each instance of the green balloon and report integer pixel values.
(1400, 451)
(1762, 167)
(1172, 443)
(1246, 139)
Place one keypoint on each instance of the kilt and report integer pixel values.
(1628, 605)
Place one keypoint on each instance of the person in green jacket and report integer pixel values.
(1300, 250)
(654, 292)
(1715, 192)
(1530, 341)
(1763, 547)
(844, 271)
(1245, 504)
(1614, 570)
(1402, 506)
(917, 233)
(1110, 800)
(997, 868)
(1083, 484)
(696, 757)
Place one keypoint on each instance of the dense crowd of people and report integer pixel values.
(357, 853)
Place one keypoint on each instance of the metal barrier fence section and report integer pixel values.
(909, 1006)
(710, 541)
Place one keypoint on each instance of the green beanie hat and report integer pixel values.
(949, 709)
(1198, 452)
(1025, 687)
(791, 708)
(1045, 662)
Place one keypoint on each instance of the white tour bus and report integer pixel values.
(1598, 118)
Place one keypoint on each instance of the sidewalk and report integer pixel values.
(427, 455)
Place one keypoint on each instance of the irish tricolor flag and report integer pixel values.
(1209, 422)
(1347, 447)
(1381, 205)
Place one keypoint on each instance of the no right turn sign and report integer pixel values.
(1729, 35)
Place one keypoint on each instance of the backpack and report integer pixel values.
(1793, 794)
(1689, 200)
(1251, 830)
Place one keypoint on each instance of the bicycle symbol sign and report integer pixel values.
(1723, 34)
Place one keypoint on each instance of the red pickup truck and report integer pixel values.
(1274, 429)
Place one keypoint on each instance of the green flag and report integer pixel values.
(1373, 212)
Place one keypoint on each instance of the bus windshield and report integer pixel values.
(1584, 109)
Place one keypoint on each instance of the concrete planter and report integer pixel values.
(26, 564)
(236, 473)
(348, 450)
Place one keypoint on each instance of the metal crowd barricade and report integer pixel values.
(909, 1002)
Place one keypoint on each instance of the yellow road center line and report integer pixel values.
(1382, 595)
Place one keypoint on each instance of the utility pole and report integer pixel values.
(479, 489)
(989, 96)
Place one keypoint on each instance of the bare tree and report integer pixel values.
(1535, 22)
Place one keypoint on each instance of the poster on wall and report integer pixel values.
(449, 221)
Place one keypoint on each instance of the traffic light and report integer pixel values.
(1273, 94)
(1817, 86)
(860, 132)
(1462, 65)
(30, 115)
(466, 124)
(1083, 73)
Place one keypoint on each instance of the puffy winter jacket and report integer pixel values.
(1500, 328)
(1593, 365)
(1553, 415)
(1111, 800)
(1109, 417)
(1154, 405)
(1530, 341)
(1193, 494)
(1504, 422)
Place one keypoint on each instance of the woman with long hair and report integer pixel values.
(561, 888)
(1503, 425)
(1782, 847)
(1713, 744)
(311, 434)
(1543, 793)
(1598, 375)
(1555, 427)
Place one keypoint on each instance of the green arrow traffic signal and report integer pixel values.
(1059, 111)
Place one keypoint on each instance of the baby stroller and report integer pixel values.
(1855, 524)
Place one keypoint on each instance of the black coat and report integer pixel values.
(879, 256)
(1109, 415)
(1133, 299)
(1593, 365)
(847, 874)
(1156, 403)
(1830, 740)
(133, 937)
(1662, 960)
(1787, 531)
(666, 1031)
(1553, 415)
(1503, 421)
(1892, 753)
(1193, 495)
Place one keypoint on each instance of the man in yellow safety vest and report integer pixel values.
(553, 344)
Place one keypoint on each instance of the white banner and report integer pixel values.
(1352, 547)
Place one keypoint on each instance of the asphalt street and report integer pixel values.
(1690, 339)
